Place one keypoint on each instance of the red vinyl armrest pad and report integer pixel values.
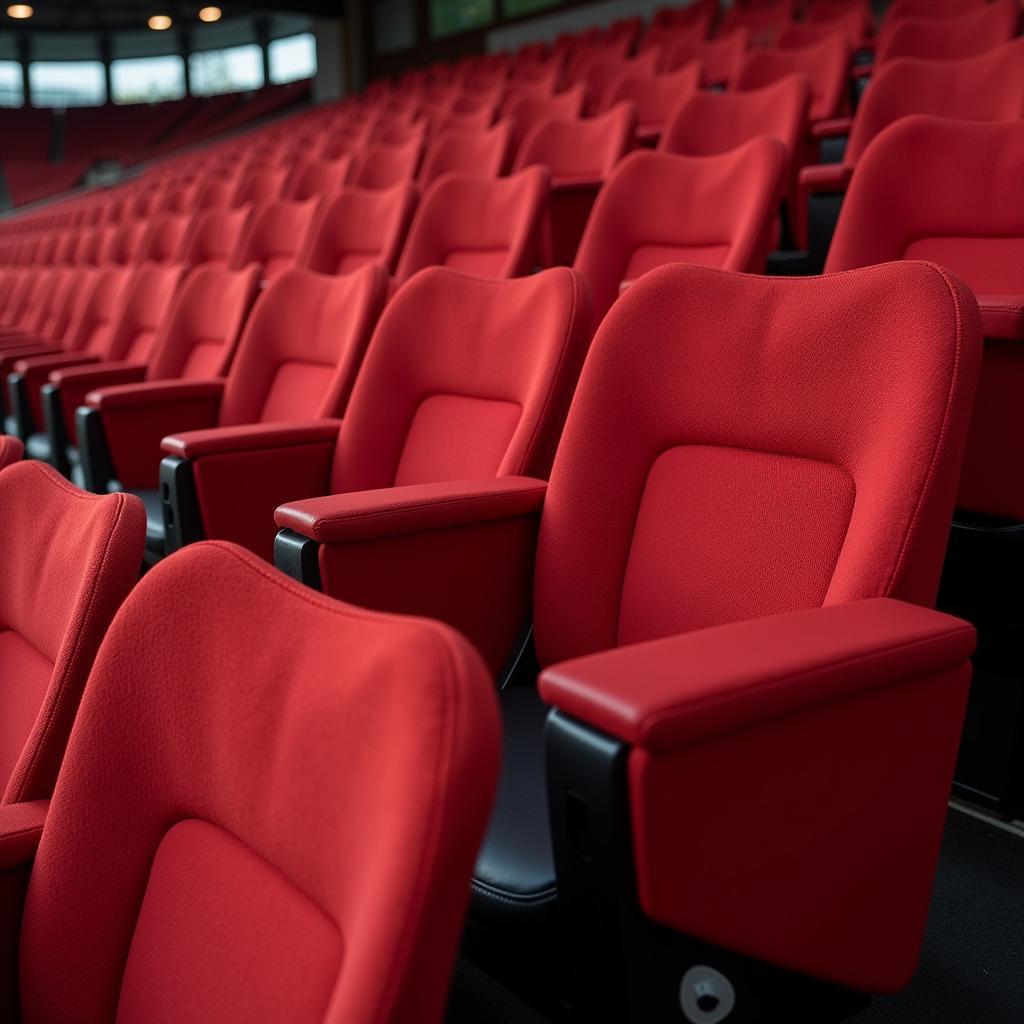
(194, 444)
(831, 127)
(665, 693)
(1002, 316)
(392, 511)
(96, 375)
(824, 178)
(21, 825)
(128, 396)
(39, 364)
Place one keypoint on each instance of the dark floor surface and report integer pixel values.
(972, 966)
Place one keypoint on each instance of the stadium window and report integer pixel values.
(147, 79)
(67, 83)
(235, 69)
(292, 58)
(12, 90)
(517, 8)
(394, 26)
(450, 16)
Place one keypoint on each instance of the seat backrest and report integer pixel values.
(655, 208)
(199, 336)
(275, 234)
(853, 24)
(253, 852)
(489, 227)
(361, 226)
(931, 8)
(586, 148)
(989, 87)
(525, 111)
(910, 200)
(484, 154)
(11, 450)
(214, 236)
(164, 238)
(774, 444)
(319, 179)
(655, 97)
(121, 244)
(93, 324)
(764, 20)
(826, 65)
(144, 307)
(69, 560)
(78, 286)
(302, 346)
(720, 59)
(383, 165)
(600, 75)
(260, 185)
(464, 378)
(953, 38)
(715, 122)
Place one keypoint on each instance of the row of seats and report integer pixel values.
(691, 522)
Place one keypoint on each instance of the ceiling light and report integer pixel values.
(20, 11)
(159, 22)
(210, 14)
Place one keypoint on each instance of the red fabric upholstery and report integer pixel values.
(261, 185)
(213, 236)
(825, 65)
(655, 98)
(966, 35)
(658, 208)
(361, 226)
(319, 178)
(915, 196)
(384, 166)
(489, 227)
(274, 235)
(720, 59)
(580, 155)
(164, 238)
(854, 25)
(742, 447)
(11, 450)
(869, 693)
(600, 75)
(764, 20)
(213, 863)
(69, 560)
(526, 111)
(197, 342)
(484, 154)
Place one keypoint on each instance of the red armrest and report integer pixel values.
(136, 418)
(799, 767)
(831, 127)
(680, 689)
(361, 515)
(825, 178)
(461, 552)
(1002, 316)
(196, 444)
(75, 382)
(21, 825)
(37, 369)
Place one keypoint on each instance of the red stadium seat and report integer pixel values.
(854, 25)
(580, 155)
(720, 59)
(11, 450)
(274, 236)
(361, 226)
(655, 98)
(296, 363)
(196, 343)
(966, 35)
(826, 66)
(210, 859)
(464, 378)
(658, 208)
(318, 179)
(213, 236)
(490, 227)
(526, 111)
(164, 238)
(765, 21)
(985, 88)
(712, 547)
(384, 166)
(484, 154)
(69, 560)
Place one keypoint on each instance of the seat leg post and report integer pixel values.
(93, 452)
(53, 414)
(298, 557)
